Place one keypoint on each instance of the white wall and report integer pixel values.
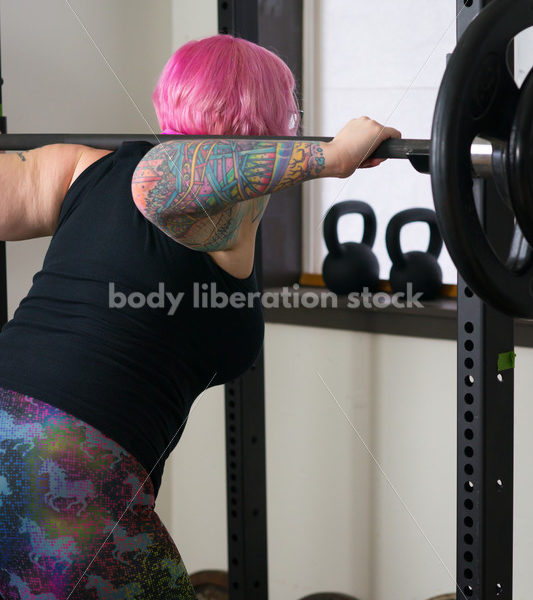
(523, 55)
(193, 20)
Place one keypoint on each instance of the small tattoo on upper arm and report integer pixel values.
(21, 156)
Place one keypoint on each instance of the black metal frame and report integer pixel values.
(485, 428)
(245, 412)
(272, 24)
(3, 262)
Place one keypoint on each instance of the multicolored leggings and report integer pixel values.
(77, 519)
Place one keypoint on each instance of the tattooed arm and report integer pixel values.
(200, 192)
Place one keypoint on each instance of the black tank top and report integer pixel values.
(131, 371)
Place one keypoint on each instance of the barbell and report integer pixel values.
(416, 151)
(482, 128)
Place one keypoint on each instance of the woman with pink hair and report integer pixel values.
(106, 354)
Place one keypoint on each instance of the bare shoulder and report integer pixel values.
(87, 156)
(34, 184)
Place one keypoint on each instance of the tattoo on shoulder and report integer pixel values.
(22, 156)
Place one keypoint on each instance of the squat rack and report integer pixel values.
(485, 413)
(485, 416)
(484, 404)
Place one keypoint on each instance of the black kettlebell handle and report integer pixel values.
(412, 215)
(348, 207)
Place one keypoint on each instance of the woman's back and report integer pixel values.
(112, 330)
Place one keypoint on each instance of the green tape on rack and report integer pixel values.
(506, 361)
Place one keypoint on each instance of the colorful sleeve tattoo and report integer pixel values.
(198, 192)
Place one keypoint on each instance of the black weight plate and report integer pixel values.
(521, 160)
(478, 96)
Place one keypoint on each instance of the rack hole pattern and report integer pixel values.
(469, 439)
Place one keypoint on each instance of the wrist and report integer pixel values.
(332, 161)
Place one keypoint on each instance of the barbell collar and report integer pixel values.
(481, 152)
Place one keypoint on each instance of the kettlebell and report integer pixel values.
(350, 267)
(421, 269)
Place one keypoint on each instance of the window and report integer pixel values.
(384, 60)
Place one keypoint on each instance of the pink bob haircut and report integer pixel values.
(222, 85)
